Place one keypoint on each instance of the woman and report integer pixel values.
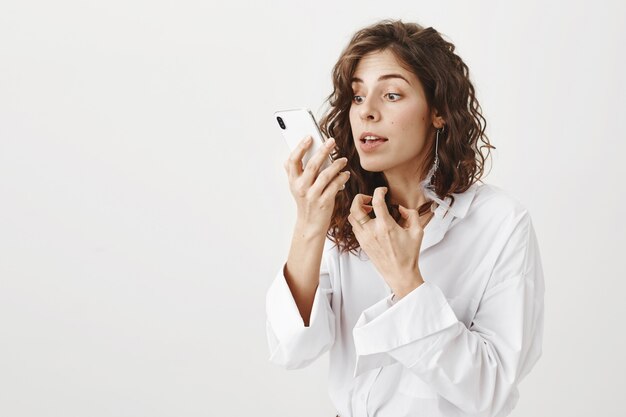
(425, 286)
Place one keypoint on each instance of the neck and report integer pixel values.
(405, 190)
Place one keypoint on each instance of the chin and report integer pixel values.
(373, 166)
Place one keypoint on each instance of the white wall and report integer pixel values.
(144, 209)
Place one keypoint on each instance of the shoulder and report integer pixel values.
(509, 231)
(495, 204)
(495, 214)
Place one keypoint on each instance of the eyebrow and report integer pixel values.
(382, 78)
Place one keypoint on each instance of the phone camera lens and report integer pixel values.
(281, 123)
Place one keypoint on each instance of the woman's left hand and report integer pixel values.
(392, 248)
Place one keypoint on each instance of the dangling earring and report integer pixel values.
(436, 164)
(427, 187)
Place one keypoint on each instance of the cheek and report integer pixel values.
(411, 119)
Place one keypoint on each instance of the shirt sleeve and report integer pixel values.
(475, 368)
(291, 344)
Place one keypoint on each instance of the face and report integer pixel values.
(389, 103)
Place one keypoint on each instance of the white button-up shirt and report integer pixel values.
(458, 345)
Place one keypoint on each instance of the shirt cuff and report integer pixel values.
(384, 326)
(282, 311)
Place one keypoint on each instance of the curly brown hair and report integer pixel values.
(446, 83)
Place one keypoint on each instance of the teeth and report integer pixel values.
(371, 138)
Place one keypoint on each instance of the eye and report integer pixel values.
(393, 96)
(357, 99)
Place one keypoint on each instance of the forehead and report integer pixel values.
(378, 63)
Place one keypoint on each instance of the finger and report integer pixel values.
(411, 217)
(359, 210)
(312, 168)
(328, 175)
(336, 185)
(380, 207)
(293, 165)
(358, 223)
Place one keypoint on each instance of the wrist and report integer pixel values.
(307, 231)
(403, 290)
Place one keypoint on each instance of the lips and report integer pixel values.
(371, 137)
(372, 143)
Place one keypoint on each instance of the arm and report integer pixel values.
(475, 368)
(300, 322)
(303, 268)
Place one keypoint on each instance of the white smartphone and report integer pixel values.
(295, 125)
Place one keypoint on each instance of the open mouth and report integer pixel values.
(372, 139)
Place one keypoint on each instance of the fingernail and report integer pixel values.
(329, 142)
(308, 140)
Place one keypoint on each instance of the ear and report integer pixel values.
(438, 121)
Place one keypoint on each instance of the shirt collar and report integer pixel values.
(462, 202)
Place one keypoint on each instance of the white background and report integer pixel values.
(144, 209)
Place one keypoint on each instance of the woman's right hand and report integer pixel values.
(315, 191)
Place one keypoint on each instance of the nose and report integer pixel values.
(368, 110)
